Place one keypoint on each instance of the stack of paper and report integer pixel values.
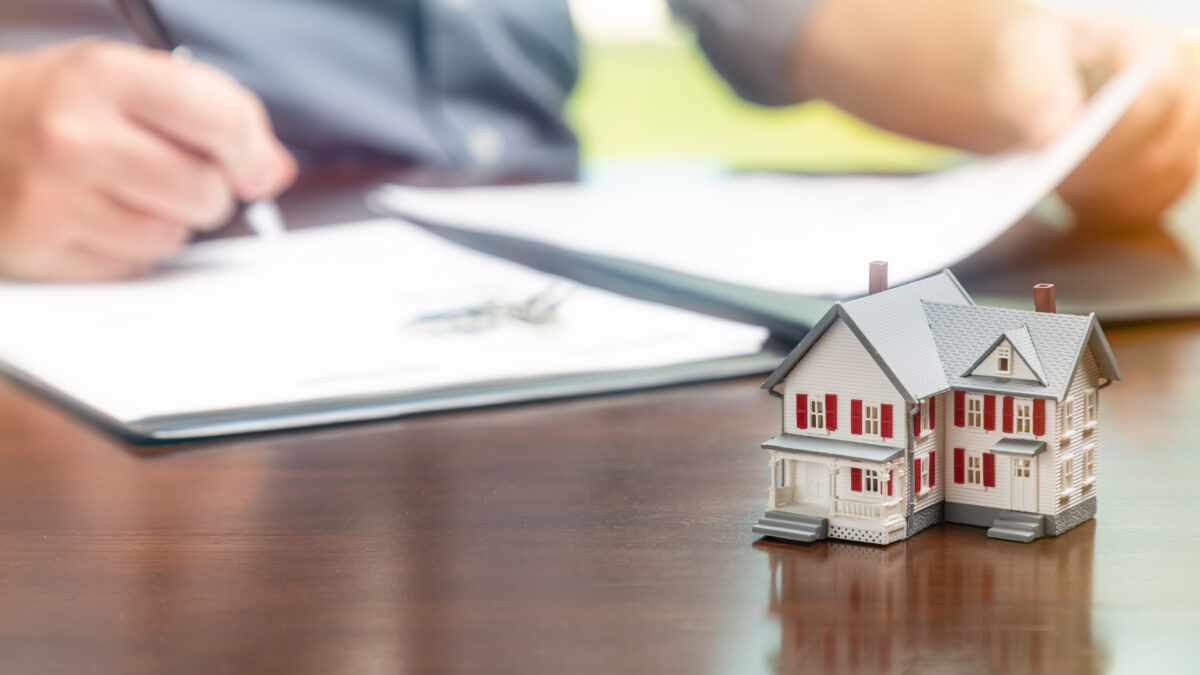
(809, 235)
(235, 333)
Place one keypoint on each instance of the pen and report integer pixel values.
(263, 216)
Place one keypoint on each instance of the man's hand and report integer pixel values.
(987, 75)
(111, 155)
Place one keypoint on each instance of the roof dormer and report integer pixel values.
(1012, 355)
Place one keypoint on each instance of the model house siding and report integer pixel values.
(839, 364)
(927, 442)
(980, 441)
(1086, 377)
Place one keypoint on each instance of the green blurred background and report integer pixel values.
(659, 99)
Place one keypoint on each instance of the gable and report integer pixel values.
(839, 363)
(1009, 360)
(891, 325)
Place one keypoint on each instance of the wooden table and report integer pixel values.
(607, 535)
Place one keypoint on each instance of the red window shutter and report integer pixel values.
(1039, 417)
(885, 420)
(917, 420)
(932, 468)
(802, 411)
(989, 470)
(855, 416)
(989, 412)
(1008, 414)
(960, 408)
(831, 412)
(933, 413)
(960, 468)
(917, 476)
(856, 480)
(891, 476)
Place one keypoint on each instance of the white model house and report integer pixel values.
(914, 405)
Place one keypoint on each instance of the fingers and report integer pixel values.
(122, 233)
(1149, 157)
(113, 154)
(75, 264)
(88, 236)
(150, 175)
(209, 113)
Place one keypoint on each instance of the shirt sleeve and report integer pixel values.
(750, 43)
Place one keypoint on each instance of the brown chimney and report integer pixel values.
(1043, 298)
(878, 280)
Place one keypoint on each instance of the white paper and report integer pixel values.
(323, 313)
(800, 234)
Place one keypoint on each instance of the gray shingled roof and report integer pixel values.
(927, 334)
(893, 328)
(895, 325)
(963, 333)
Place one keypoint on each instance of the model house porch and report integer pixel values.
(852, 486)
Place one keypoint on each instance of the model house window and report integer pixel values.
(1089, 407)
(871, 420)
(974, 469)
(975, 412)
(1004, 360)
(816, 413)
(1024, 417)
(1022, 468)
(1068, 476)
(870, 481)
(1089, 465)
(925, 405)
(1068, 417)
(924, 477)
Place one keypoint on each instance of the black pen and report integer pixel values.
(263, 216)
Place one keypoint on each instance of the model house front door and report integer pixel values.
(812, 483)
(1024, 485)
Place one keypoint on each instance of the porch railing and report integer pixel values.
(875, 511)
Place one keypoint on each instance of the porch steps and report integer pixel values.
(1016, 526)
(792, 526)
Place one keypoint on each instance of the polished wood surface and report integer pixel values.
(604, 535)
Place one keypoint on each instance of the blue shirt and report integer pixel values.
(475, 87)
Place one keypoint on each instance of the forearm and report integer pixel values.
(937, 70)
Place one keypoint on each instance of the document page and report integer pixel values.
(372, 307)
(810, 235)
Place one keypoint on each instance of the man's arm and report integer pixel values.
(982, 75)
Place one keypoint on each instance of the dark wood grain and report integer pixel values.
(603, 535)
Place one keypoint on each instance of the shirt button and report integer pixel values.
(486, 144)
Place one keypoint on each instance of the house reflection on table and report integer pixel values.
(948, 600)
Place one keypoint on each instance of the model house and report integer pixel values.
(913, 406)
